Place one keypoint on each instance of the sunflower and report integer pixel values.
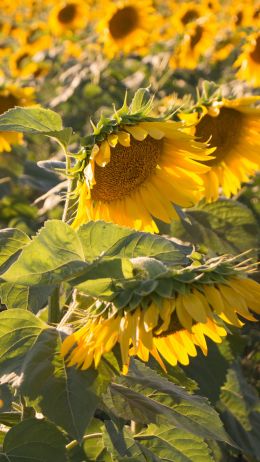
(24, 64)
(68, 16)
(169, 329)
(138, 170)
(249, 61)
(35, 37)
(198, 38)
(240, 14)
(11, 96)
(126, 26)
(232, 126)
(185, 14)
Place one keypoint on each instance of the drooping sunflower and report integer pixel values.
(125, 26)
(249, 61)
(170, 328)
(68, 16)
(232, 126)
(138, 167)
(11, 96)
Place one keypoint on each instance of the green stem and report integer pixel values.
(54, 312)
(54, 306)
(74, 443)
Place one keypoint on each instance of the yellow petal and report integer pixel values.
(103, 155)
(112, 140)
(124, 138)
(184, 318)
(194, 307)
(150, 317)
(137, 132)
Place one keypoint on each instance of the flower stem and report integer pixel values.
(54, 312)
(54, 306)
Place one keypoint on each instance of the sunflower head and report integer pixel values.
(232, 127)
(135, 167)
(127, 26)
(66, 17)
(200, 301)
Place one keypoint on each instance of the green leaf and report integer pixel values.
(225, 226)
(209, 372)
(240, 407)
(94, 445)
(146, 397)
(112, 240)
(30, 359)
(55, 254)
(167, 443)
(35, 441)
(121, 444)
(24, 297)
(11, 242)
(35, 120)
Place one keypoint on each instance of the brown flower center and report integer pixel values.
(7, 102)
(189, 16)
(123, 22)
(196, 36)
(223, 131)
(239, 18)
(22, 60)
(128, 168)
(68, 13)
(256, 13)
(255, 55)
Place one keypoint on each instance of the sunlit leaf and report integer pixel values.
(35, 120)
(167, 443)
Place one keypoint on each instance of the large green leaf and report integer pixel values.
(146, 397)
(30, 359)
(241, 412)
(123, 264)
(35, 120)
(35, 441)
(225, 226)
(167, 443)
(112, 240)
(55, 254)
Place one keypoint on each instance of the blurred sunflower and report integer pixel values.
(138, 171)
(232, 126)
(196, 41)
(23, 64)
(126, 26)
(239, 14)
(35, 37)
(169, 329)
(68, 16)
(11, 96)
(249, 61)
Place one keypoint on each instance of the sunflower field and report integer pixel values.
(129, 231)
